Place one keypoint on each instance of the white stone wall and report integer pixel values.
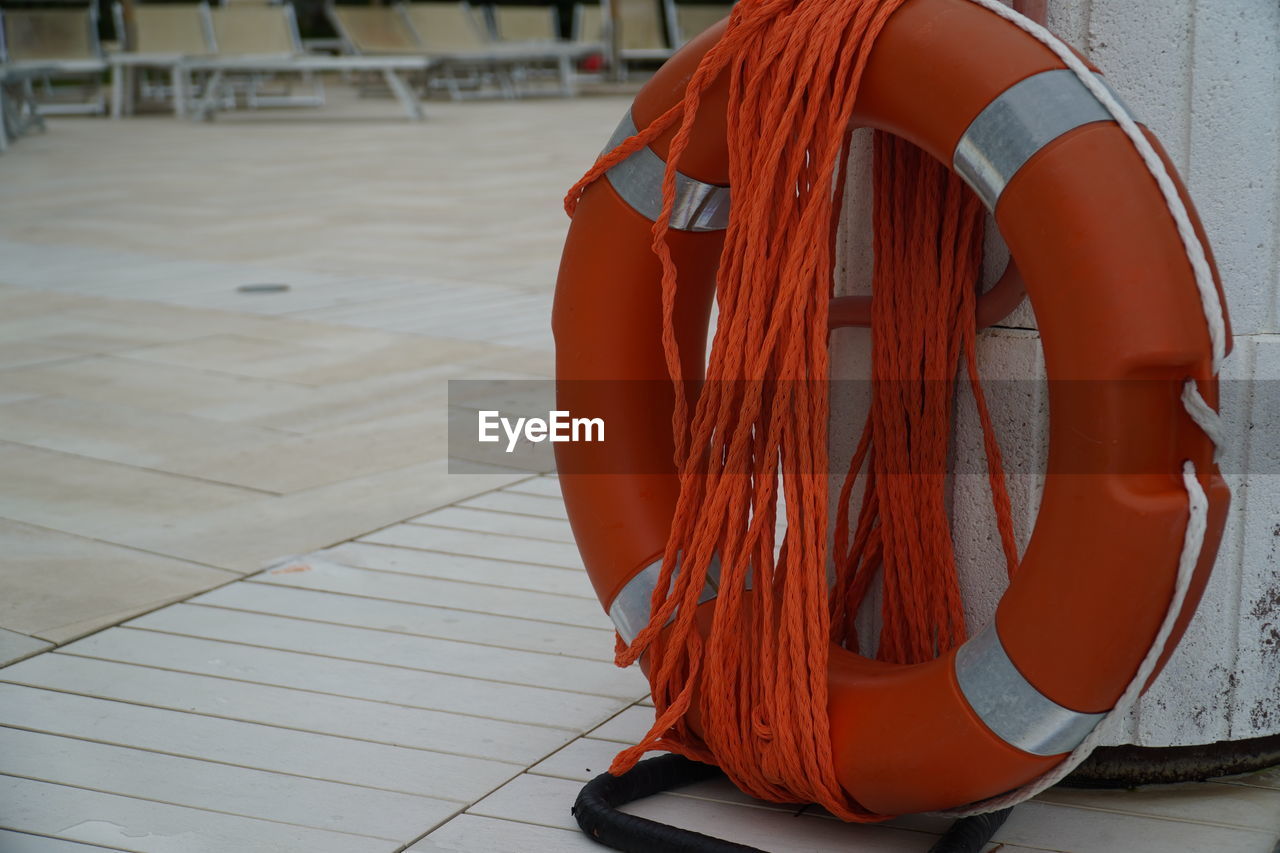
(1205, 76)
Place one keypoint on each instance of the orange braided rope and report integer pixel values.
(928, 245)
(760, 674)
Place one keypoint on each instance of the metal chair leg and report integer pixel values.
(404, 94)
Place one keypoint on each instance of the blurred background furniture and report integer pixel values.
(63, 43)
(388, 67)
(19, 111)
(471, 61)
(641, 32)
(692, 19)
(525, 23)
(157, 38)
(256, 44)
(244, 29)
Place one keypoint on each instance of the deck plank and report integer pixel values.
(15, 646)
(522, 604)
(356, 680)
(416, 619)
(519, 503)
(21, 842)
(508, 524)
(217, 787)
(534, 669)
(149, 827)
(547, 487)
(1225, 805)
(514, 549)
(471, 833)
(1041, 824)
(277, 706)
(254, 745)
(580, 760)
(456, 567)
(628, 727)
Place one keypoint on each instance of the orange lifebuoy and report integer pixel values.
(1119, 310)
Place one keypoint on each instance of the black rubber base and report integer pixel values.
(1127, 766)
(597, 813)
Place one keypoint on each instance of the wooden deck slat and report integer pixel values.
(415, 619)
(254, 745)
(627, 727)
(15, 646)
(540, 800)
(278, 706)
(467, 833)
(485, 521)
(521, 604)
(1040, 824)
(372, 681)
(547, 487)
(147, 827)
(455, 567)
(534, 669)
(20, 842)
(581, 760)
(1224, 805)
(512, 548)
(519, 503)
(218, 787)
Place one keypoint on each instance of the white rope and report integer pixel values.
(1209, 300)
(1198, 410)
(1192, 541)
(1209, 421)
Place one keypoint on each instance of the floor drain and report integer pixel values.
(263, 288)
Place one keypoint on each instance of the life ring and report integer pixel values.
(1118, 307)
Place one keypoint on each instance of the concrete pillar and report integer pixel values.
(1205, 76)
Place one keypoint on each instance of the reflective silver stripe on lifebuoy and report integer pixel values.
(1010, 705)
(630, 608)
(1019, 122)
(638, 179)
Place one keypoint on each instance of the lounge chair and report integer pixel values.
(373, 30)
(64, 44)
(244, 29)
(252, 29)
(454, 33)
(644, 35)
(526, 23)
(254, 41)
(693, 19)
(536, 25)
(158, 38)
(19, 111)
(589, 22)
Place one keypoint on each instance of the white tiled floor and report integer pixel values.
(444, 684)
(316, 706)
